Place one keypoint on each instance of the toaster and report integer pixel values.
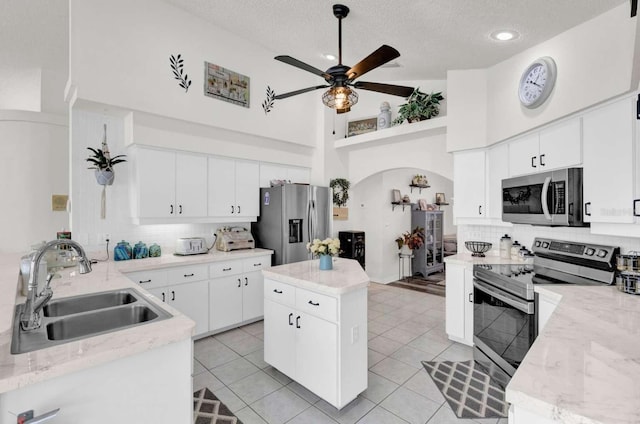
(191, 246)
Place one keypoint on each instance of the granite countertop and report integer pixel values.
(347, 275)
(492, 258)
(584, 367)
(17, 371)
(170, 260)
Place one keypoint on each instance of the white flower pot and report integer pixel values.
(104, 177)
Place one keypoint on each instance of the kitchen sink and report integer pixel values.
(79, 317)
(89, 302)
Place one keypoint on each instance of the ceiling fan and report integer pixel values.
(340, 77)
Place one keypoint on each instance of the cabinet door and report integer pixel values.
(469, 184)
(155, 172)
(523, 155)
(608, 163)
(191, 185)
(192, 299)
(561, 146)
(298, 175)
(279, 337)
(455, 302)
(468, 306)
(225, 300)
(252, 295)
(497, 170)
(221, 187)
(247, 189)
(317, 356)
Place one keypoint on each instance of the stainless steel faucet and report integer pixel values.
(30, 318)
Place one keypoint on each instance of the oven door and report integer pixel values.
(504, 327)
(536, 199)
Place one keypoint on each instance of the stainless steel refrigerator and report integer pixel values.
(290, 216)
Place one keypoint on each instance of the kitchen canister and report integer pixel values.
(505, 247)
(140, 250)
(154, 251)
(515, 250)
(122, 251)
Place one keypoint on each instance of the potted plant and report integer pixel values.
(103, 164)
(419, 106)
(324, 249)
(419, 180)
(411, 240)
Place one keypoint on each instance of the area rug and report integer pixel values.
(469, 391)
(208, 409)
(432, 284)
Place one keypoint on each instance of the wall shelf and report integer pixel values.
(391, 135)
(420, 187)
(403, 204)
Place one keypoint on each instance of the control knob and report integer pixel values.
(602, 253)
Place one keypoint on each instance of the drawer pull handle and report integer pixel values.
(290, 316)
(258, 264)
(188, 275)
(277, 291)
(298, 321)
(314, 304)
(226, 269)
(144, 281)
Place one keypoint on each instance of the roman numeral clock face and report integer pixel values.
(537, 82)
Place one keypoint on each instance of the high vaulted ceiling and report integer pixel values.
(432, 36)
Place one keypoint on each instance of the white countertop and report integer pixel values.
(21, 370)
(346, 275)
(492, 258)
(584, 367)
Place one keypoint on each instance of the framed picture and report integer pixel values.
(440, 198)
(396, 197)
(226, 85)
(362, 126)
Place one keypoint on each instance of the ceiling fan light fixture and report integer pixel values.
(340, 98)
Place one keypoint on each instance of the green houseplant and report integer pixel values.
(419, 106)
(103, 163)
(413, 239)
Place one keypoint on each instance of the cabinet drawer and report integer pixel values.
(149, 279)
(256, 264)
(280, 292)
(317, 304)
(222, 269)
(187, 273)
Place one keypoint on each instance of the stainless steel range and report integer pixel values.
(505, 324)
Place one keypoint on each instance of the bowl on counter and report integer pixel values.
(477, 248)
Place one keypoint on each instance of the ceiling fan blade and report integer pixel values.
(303, 90)
(381, 56)
(298, 64)
(396, 90)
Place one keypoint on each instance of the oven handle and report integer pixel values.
(545, 205)
(524, 306)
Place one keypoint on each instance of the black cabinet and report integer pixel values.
(352, 245)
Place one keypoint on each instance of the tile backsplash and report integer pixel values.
(525, 234)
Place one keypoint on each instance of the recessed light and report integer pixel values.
(504, 35)
(329, 56)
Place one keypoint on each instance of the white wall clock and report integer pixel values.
(536, 82)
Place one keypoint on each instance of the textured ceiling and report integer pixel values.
(432, 36)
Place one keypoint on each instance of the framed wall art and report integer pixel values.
(226, 85)
(362, 126)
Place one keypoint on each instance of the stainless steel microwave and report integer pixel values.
(547, 198)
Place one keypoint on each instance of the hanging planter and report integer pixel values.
(103, 163)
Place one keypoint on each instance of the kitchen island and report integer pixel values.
(315, 327)
(136, 374)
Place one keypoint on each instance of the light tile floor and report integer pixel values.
(405, 327)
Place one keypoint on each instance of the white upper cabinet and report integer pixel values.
(469, 184)
(272, 171)
(557, 146)
(497, 169)
(170, 185)
(233, 188)
(609, 172)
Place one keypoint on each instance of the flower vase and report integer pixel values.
(326, 262)
(405, 251)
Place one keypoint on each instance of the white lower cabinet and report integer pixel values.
(459, 304)
(236, 296)
(318, 340)
(191, 299)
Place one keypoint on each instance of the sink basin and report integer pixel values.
(82, 325)
(79, 317)
(89, 302)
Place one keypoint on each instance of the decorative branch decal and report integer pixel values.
(267, 105)
(176, 66)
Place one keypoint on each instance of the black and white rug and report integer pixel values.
(469, 391)
(432, 284)
(208, 409)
